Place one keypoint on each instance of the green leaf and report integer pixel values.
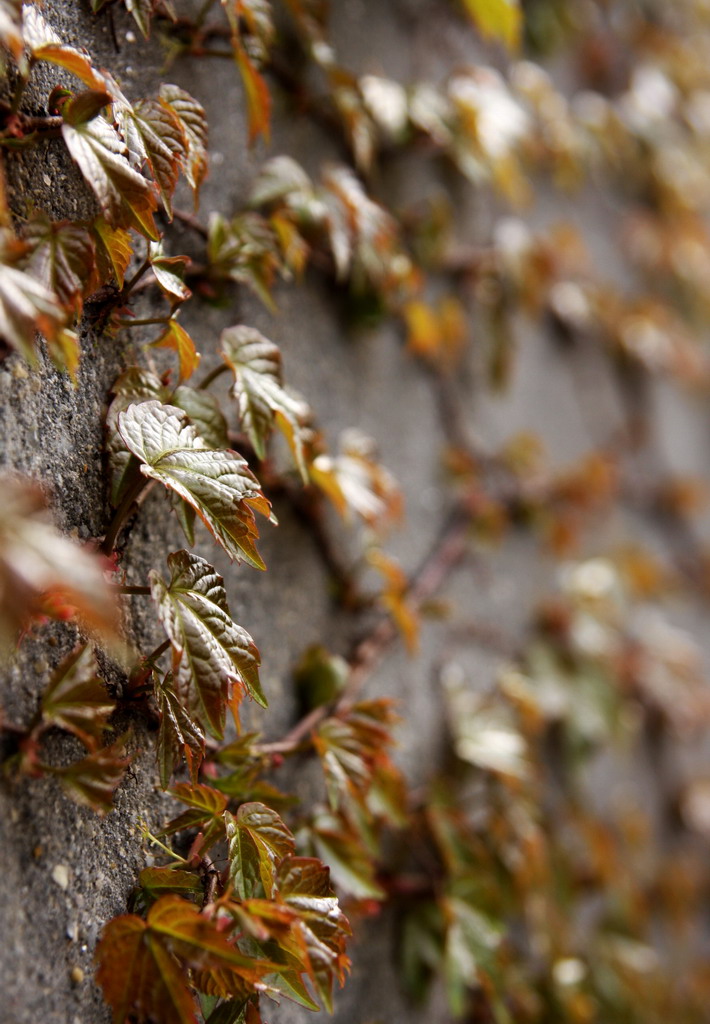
(244, 250)
(258, 841)
(178, 735)
(210, 651)
(217, 484)
(497, 19)
(258, 389)
(169, 272)
(125, 197)
(203, 411)
(193, 122)
(76, 698)
(351, 864)
(61, 257)
(157, 882)
(94, 780)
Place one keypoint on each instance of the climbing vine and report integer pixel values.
(512, 887)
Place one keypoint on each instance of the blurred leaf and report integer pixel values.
(244, 250)
(356, 482)
(497, 19)
(76, 698)
(258, 389)
(36, 559)
(26, 305)
(94, 780)
(169, 272)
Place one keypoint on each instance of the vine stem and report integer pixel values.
(190, 222)
(212, 376)
(122, 513)
(130, 285)
(446, 554)
(121, 588)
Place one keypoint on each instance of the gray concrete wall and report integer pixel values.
(54, 433)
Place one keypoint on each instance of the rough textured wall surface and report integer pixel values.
(65, 871)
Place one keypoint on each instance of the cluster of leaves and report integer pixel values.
(512, 887)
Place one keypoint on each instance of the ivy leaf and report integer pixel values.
(178, 735)
(26, 305)
(124, 195)
(210, 651)
(394, 597)
(352, 865)
(169, 272)
(85, 106)
(176, 337)
(155, 135)
(257, 95)
(244, 250)
(202, 409)
(303, 883)
(142, 11)
(142, 963)
(11, 27)
(206, 807)
(76, 698)
(94, 780)
(258, 840)
(61, 256)
(36, 559)
(356, 482)
(113, 251)
(471, 941)
(218, 485)
(157, 882)
(497, 19)
(258, 388)
(283, 179)
(193, 121)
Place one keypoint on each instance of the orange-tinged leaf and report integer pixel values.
(176, 337)
(26, 304)
(124, 195)
(113, 251)
(11, 26)
(206, 807)
(356, 482)
(155, 136)
(178, 735)
(257, 95)
(36, 558)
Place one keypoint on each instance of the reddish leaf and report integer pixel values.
(61, 256)
(258, 841)
(76, 698)
(178, 736)
(94, 780)
(193, 122)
